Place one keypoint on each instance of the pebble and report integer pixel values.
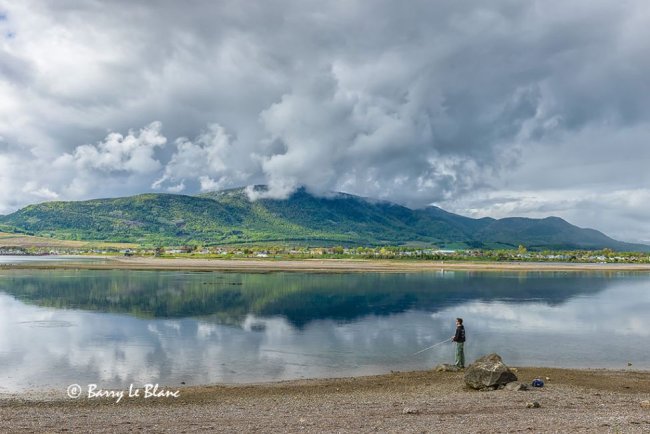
(409, 410)
(533, 404)
(514, 385)
(645, 404)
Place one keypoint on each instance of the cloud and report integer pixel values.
(211, 154)
(33, 189)
(117, 162)
(131, 153)
(450, 103)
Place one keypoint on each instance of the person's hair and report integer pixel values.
(460, 320)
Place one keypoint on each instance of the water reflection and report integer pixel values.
(300, 297)
(138, 327)
(23, 259)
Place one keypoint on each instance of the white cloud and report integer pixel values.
(131, 153)
(209, 184)
(33, 189)
(176, 188)
(213, 154)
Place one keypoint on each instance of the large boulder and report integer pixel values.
(488, 372)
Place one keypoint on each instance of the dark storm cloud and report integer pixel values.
(447, 102)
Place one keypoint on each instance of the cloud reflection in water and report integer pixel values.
(605, 328)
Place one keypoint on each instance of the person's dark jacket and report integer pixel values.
(460, 334)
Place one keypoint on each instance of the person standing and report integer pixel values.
(459, 338)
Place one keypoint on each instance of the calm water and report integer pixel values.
(120, 327)
(17, 260)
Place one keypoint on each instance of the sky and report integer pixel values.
(501, 108)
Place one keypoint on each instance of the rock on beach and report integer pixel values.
(488, 372)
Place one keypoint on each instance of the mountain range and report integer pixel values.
(229, 217)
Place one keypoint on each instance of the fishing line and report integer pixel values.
(432, 346)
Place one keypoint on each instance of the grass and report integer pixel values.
(29, 241)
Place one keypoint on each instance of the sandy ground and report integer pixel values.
(325, 265)
(571, 401)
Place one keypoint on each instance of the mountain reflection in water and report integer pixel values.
(300, 297)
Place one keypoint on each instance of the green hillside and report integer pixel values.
(229, 217)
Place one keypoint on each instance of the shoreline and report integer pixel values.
(584, 377)
(320, 265)
(575, 400)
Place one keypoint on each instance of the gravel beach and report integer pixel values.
(571, 401)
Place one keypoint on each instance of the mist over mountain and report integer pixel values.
(231, 217)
